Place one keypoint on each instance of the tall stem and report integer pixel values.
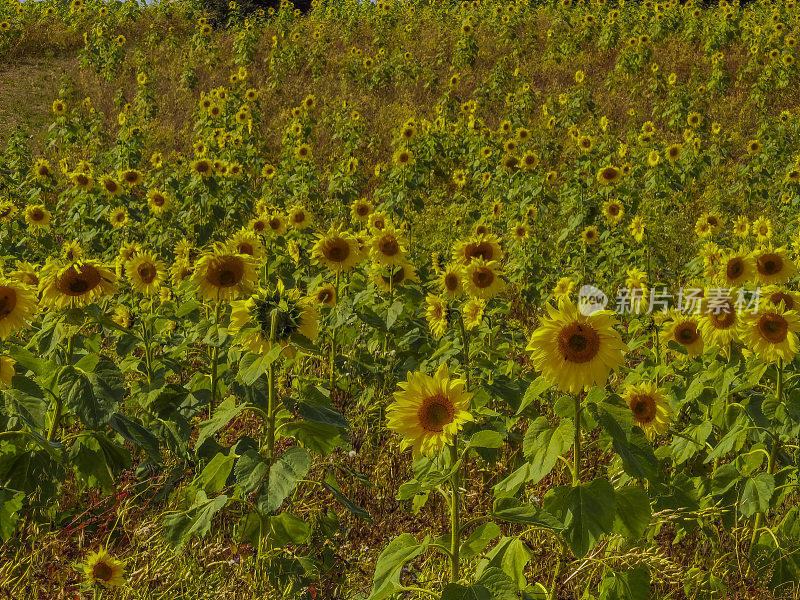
(576, 455)
(465, 344)
(455, 527)
(51, 434)
(215, 361)
(332, 375)
(271, 393)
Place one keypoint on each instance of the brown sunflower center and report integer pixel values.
(362, 210)
(643, 407)
(275, 224)
(482, 250)
(259, 226)
(37, 214)
(435, 412)
(102, 571)
(388, 245)
(337, 250)
(735, 268)
(77, 283)
(686, 333)
(613, 210)
(159, 200)
(298, 217)
(609, 173)
(325, 296)
(578, 342)
(226, 272)
(773, 328)
(770, 264)
(147, 272)
(245, 248)
(483, 277)
(451, 282)
(778, 297)
(723, 316)
(8, 301)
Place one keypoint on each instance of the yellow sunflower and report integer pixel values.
(608, 175)
(636, 229)
(737, 268)
(773, 266)
(71, 251)
(613, 211)
(110, 186)
(361, 209)
(325, 295)
(6, 371)
(37, 217)
(26, 273)
(472, 312)
(771, 333)
(719, 324)
(741, 227)
(428, 412)
(485, 247)
(336, 250)
(159, 202)
(221, 274)
(575, 351)
(564, 288)
(146, 273)
(103, 570)
(276, 224)
(299, 218)
(387, 247)
(437, 314)
(685, 331)
(762, 229)
(17, 305)
(246, 242)
(590, 235)
(482, 279)
(392, 277)
(649, 406)
(450, 281)
(776, 295)
(75, 284)
(118, 217)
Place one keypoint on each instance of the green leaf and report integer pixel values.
(223, 414)
(733, 440)
(214, 475)
(542, 445)
(513, 510)
(690, 442)
(638, 459)
(284, 475)
(196, 521)
(25, 399)
(479, 539)
(252, 366)
(94, 396)
(633, 512)
(630, 585)
(10, 505)
(322, 413)
(136, 434)
(535, 389)
(488, 438)
(332, 486)
(251, 470)
(97, 461)
(587, 511)
(455, 591)
(514, 560)
(286, 529)
(756, 494)
(398, 552)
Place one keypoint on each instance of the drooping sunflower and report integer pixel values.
(649, 406)
(685, 331)
(103, 570)
(6, 371)
(770, 332)
(37, 217)
(325, 295)
(563, 288)
(64, 285)
(472, 312)
(252, 320)
(146, 273)
(482, 279)
(159, 202)
(636, 229)
(246, 242)
(118, 217)
(437, 315)
(575, 351)
(392, 277)
(428, 412)
(336, 250)
(221, 274)
(17, 305)
(485, 247)
(773, 266)
(736, 269)
(387, 247)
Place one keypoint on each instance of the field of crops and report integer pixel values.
(399, 300)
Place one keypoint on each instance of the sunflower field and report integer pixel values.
(398, 300)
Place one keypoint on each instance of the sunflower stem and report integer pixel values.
(772, 455)
(576, 455)
(455, 541)
(51, 434)
(271, 392)
(332, 378)
(465, 344)
(215, 361)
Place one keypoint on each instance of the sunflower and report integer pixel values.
(564, 288)
(482, 279)
(325, 295)
(110, 186)
(636, 229)
(268, 171)
(37, 217)
(590, 235)
(59, 107)
(613, 211)
(742, 227)
(246, 242)
(649, 406)
(776, 296)
(720, 321)
(299, 217)
(26, 273)
(575, 351)
(392, 277)
(521, 231)
(180, 270)
(485, 247)
(387, 247)
(159, 202)
(336, 250)
(75, 284)
(685, 331)
(122, 316)
(7, 210)
(378, 220)
(82, 180)
(259, 225)
(252, 320)
(102, 569)
(437, 314)
(361, 209)
(276, 224)
(302, 152)
(771, 333)
(428, 412)
(6, 371)
(762, 228)
(221, 274)
(403, 157)
(472, 312)
(450, 281)
(674, 152)
(608, 175)
(773, 266)
(118, 217)
(17, 305)
(146, 273)
(202, 167)
(131, 177)
(71, 251)
(737, 268)
(753, 147)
